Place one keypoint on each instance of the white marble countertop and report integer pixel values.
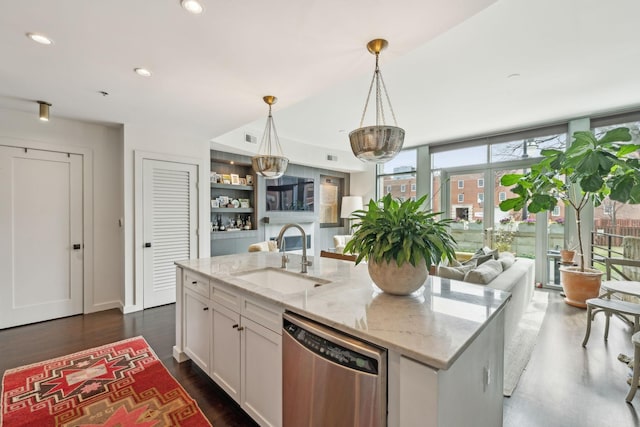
(434, 325)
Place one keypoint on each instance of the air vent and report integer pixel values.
(250, 138)
(332, 158)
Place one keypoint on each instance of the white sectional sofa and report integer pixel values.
(517, 278)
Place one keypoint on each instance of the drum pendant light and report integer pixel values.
(270, 162)
(379, 143)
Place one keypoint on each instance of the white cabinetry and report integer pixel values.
(237, 340)
(247, 353)
(197, 328)
(469, 393)
(261, 373)
(225, 360)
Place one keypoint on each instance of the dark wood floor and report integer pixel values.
(33, 343)
(563, 385)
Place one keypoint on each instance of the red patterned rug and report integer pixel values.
(119, 384)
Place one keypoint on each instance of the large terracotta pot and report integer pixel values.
(398, 280)
(580, 286)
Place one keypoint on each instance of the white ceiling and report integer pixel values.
(447, 67)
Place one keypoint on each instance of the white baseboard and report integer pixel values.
(104, 306)
(179, 355)
(131, 308)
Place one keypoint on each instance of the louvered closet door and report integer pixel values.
(170, 212)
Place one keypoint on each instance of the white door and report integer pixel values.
(170, 225)
(41, 244)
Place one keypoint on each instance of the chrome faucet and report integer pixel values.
(281, 245)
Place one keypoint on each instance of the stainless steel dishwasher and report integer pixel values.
(330, 379)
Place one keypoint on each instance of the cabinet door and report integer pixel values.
(261, 373)
(225, 357)
(197, 329)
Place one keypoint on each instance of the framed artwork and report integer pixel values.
(243, 181)
(235, 179)
(331, 190)
(226, 178)
(215, 203)
(224, 201)
(249, 179)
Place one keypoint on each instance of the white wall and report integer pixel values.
(103, 145)
(364, 184)
(162, 142)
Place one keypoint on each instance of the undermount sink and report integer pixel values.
(282, 281)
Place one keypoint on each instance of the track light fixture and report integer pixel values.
(44, 111)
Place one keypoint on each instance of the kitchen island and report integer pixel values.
(444, 342)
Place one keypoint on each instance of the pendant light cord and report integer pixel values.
(266, 137)
(379, 82)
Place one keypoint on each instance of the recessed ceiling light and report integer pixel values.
(40, 38)
(192, 6)
(142, 72)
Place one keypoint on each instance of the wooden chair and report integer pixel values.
(609, 307)
(635, 339)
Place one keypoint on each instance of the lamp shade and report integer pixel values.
(349, 205)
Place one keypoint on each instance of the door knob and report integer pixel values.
(147, 245)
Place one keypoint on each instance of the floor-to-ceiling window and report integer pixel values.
(465, 184)
(398, 176)
(616, 225)
(467, 177)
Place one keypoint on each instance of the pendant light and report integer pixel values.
(270, 162)
(379, 143)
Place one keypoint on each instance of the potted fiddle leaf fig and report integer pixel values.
(400, 242)
(593, 169)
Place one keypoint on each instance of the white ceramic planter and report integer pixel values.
(398, 280)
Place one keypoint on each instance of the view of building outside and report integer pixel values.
(615, 218)
(398, 176)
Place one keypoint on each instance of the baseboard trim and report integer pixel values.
(131, 308)
(179, 356)
(104, 306)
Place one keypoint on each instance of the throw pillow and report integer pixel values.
(477, 260)
(506, 259)
(455, 273)
(484, 273)
(488, 251)
(453, 263)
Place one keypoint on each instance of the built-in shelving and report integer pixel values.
(232, 187)
(232, 210)
(224, 214)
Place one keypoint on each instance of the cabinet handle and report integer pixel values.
(195, 282)
(235, 326)
(206, 308)
(241, 328)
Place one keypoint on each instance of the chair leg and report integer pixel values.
(606, 325)
(636, 374)
(588, 332)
